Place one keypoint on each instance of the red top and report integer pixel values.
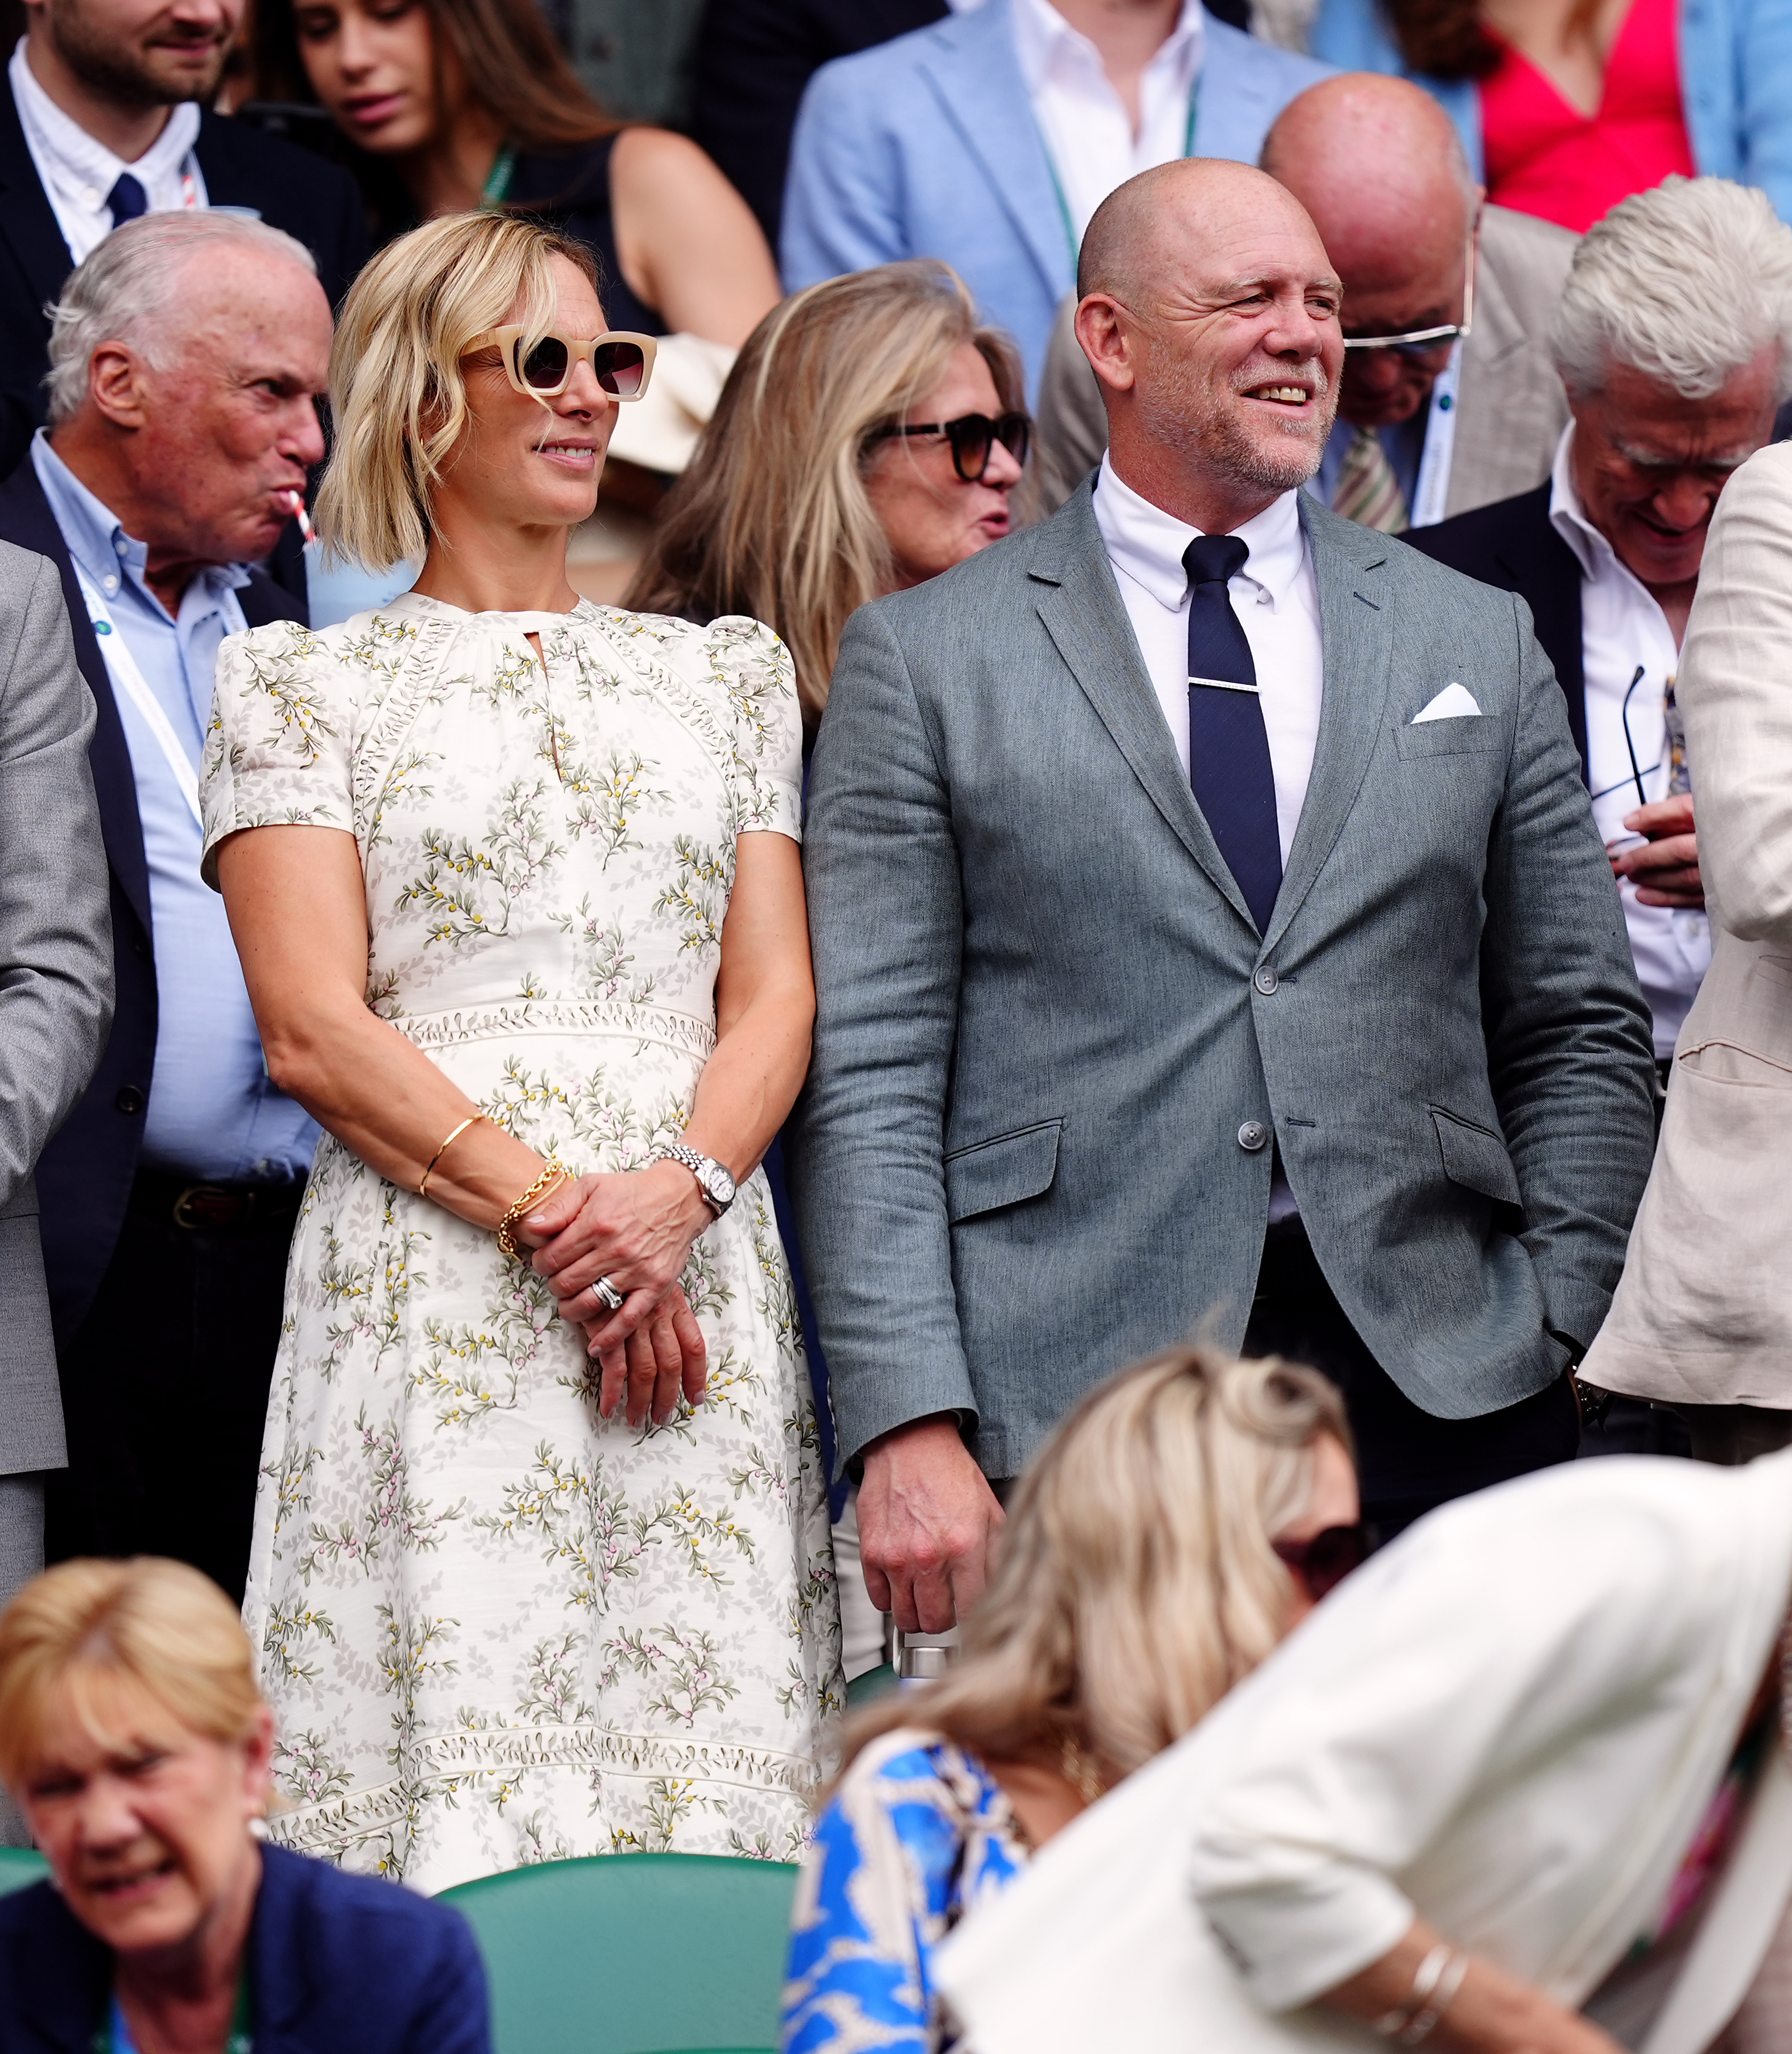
(1546, 158)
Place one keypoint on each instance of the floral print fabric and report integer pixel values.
(918, 1834)
(494, 1628)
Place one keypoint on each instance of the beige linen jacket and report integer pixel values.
(1512, 408)
(1703, 1313)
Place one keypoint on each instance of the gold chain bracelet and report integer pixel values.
(551, 1178)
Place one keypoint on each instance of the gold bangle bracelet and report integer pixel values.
(550, 1180)
(472, 1119)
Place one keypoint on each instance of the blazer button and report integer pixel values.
(1266, 980)
(1253, 1136)
(130, 1099)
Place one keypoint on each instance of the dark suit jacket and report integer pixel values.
(84, 1176)
(337, 1965)
(288, 187)
(1513, 546)
(753, 57)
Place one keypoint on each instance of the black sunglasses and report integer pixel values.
(972, 437)
(1320, 1564)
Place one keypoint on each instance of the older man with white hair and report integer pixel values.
(186, 356)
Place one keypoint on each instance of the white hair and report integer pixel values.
(125, 290)
(1686, 283)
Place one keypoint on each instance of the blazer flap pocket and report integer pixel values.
(1475, 1158)
(1464, 734)
(1001, 1171)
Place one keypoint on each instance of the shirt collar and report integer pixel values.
(1568, 516)
(1044, 39)
(85, 164)
(1147, 543)
(96, 536)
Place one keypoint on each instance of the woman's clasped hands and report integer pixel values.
(633, 1228)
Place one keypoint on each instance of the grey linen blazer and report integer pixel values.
(1045, 1014)
(1511, 409)
(56, 971)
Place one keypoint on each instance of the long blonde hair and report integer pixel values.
(1136, 1582)
(771, 518)
(102, 1643)
(396, 388)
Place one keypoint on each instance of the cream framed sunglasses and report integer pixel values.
(621, 362)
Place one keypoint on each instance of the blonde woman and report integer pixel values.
(867, 439)
(137, 1744)
(541, 1564)
(1182, 1520)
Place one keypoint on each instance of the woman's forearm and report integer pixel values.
(752, 1081)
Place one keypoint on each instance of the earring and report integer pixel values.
(258, 1829)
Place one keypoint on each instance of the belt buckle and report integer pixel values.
(183, 1213)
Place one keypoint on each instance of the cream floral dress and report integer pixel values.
(495, 1629)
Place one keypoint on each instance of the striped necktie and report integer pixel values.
(1368, 491)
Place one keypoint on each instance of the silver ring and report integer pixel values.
(608, 1294)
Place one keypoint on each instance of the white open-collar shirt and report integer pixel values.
(1276, 598)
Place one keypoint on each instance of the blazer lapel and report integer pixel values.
(976, 77)
(1357, 636)
(1082, 608)
(27, 220)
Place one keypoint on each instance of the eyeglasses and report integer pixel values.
(1419, 345)
(622, 363)
(1320, 1564)
(972, 436)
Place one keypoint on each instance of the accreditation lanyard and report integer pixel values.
(115, 2038)
(130, 683)
(1064, 215)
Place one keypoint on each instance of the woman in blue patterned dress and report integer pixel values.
(1180, 1522)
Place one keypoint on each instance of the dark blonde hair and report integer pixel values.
(771, 518)
(98, 1643)
(1136, 1582)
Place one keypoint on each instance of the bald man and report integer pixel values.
(1448, 403)
(1210, 930)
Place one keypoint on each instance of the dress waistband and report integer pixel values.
(681, 1031)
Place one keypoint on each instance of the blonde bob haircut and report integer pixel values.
(1136, 1582)
(397, 393)
(771, 518)
(106, 1645)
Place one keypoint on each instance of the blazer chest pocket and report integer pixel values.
(1467, 734)
(1475, 1158)
(1001, 1171)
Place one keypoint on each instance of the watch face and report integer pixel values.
(721, 1185)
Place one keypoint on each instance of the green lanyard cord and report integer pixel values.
(1070, 235)
(114, 2037)
(498, 184)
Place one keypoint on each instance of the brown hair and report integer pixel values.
(771, 518)
(1136, 1582)
(96, 1642)
(1443, 38)
(513, 64)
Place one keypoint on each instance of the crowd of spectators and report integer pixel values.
(1190, 774)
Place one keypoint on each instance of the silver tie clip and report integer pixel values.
(1223, 684)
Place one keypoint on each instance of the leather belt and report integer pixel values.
(206, 1208)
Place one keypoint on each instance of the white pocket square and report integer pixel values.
(1454, 703)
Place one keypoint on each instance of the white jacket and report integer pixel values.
(1510, 1722)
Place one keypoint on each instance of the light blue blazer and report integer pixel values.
(926, 147)
(1735, 83)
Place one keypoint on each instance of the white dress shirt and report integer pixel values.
(1622, 626)
(1276, 598)
(1086, 130)
(78, 172)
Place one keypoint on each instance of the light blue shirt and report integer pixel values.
(214, 1113)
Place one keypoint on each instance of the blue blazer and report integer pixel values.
(926, 147)
(338, 1965)
(1735, 83)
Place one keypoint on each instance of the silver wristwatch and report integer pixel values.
(713, 1179)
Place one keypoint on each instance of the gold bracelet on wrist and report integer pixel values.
(472, 1119)
(551, 1178)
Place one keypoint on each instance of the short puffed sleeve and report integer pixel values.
(755, 670)
(278, 752)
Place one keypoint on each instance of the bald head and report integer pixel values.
(1147, 230)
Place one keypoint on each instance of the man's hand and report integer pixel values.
(1666, 868)
(927, 1518)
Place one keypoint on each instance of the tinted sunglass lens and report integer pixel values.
(1332, 1557)
(545, 367)
(971, 440)
(620, 367)
(1014, 432)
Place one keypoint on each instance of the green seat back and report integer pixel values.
(20, 1867)
(633, 1953)
(865, 1689)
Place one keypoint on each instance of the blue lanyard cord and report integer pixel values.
(1070, 235)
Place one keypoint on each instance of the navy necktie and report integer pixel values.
(1228, 746)
(127, 200)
